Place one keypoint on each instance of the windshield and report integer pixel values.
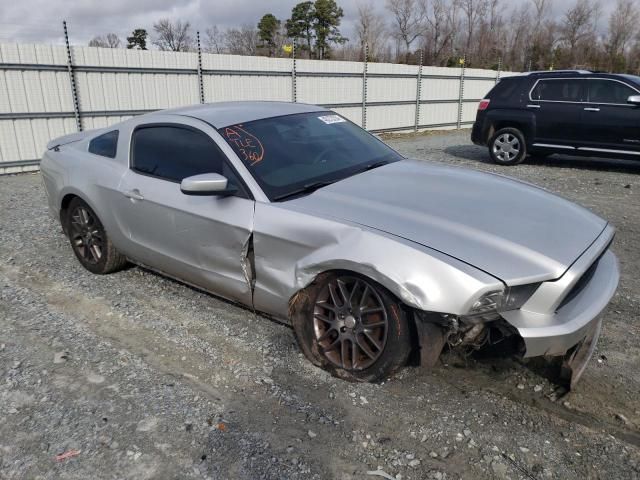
(294, 154)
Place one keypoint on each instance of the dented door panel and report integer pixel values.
(200, 239)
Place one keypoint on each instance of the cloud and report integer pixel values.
(41, 20)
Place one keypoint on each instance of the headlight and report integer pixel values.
(518, 296)
(489, 302)
(503, 300)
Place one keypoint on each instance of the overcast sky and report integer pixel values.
(41, 20)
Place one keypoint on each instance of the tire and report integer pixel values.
(363, 339)
(89, 240)
(507, 146)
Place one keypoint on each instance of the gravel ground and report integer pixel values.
(136, 376)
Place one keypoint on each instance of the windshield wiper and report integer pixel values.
(373, 165)
(312, 187)
(308, 188)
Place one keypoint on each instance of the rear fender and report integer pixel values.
(523, 120)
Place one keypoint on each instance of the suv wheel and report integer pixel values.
(507, 146)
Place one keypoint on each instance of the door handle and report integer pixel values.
(133, 194)
(591, 109)
(533, 106)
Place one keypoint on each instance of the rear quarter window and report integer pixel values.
(505, 90)
(106, 145)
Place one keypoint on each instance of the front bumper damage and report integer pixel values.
(563, 317)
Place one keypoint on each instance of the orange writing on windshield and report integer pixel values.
(248, 147)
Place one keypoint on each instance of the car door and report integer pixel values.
(557, 105)
(198, 239)
(610, 122)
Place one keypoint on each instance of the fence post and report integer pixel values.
(461, 91)
(294, 93)
(72, 79)
(418, 92)
(499, 69)
(200, 79)
(364, 87)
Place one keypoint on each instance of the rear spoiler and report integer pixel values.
(66, 139)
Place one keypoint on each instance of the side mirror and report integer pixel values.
(634, 100)
(206, 184)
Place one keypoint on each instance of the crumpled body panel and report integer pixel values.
(292, 248)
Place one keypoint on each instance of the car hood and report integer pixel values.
(514, 231)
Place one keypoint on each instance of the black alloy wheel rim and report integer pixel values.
(350, 323)
(86, 235)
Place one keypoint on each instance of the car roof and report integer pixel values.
(223, 114)
(578, 74)
(632, 78)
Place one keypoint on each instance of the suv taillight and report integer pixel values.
(484, 103)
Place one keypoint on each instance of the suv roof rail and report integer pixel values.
(552, 72)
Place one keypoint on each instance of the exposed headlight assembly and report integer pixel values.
(511, 298)
(489, 302)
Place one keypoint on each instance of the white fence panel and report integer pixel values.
(379, 117)
(37, 103)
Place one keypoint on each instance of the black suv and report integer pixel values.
(575, 112)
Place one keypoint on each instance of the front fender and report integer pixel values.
(421, 278)
(292, 248)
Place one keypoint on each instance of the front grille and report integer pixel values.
(581, 283)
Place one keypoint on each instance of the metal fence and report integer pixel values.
(51, 90)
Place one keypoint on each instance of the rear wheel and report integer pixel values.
(507, 146)
(90, 241)
(351, 327)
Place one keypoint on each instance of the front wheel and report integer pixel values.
(351, 327)
(507, 146)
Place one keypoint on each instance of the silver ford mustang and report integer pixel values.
(292, 210)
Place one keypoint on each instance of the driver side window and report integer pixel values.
(609, 92)
(173, 153)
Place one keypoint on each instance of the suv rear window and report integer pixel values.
(504, 89)
(559, 90)
(105, 145)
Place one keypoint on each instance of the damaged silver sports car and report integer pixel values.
(294, 211)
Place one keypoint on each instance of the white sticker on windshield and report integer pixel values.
(329, 119)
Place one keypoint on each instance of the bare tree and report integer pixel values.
(623, 25)
(484, 50)
(242, 41)
(474, 12)
(439, 30)
(543, 35)
(173, 37)
(408, 22)
(518, 37)
(371, 30)
(634, 56)
(579, 25)
(110, 40)
(541, 10)
(214, 40)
